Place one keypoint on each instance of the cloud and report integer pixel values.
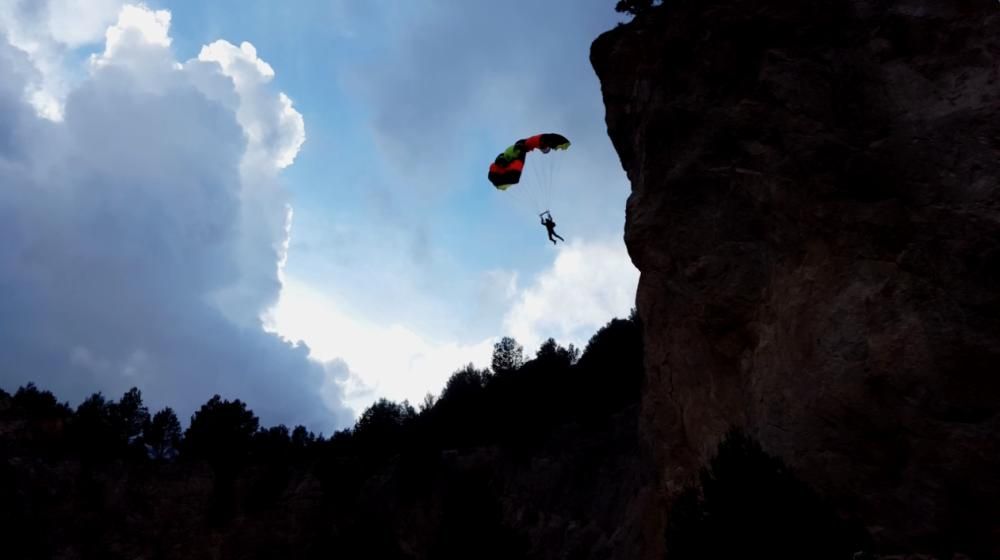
(437, 90)
(390, 361)
(448, 85)
(71, 22)
(274, 132)
(587, 285)
(143, 232)
(137, 27)
(47, 31)
(457, 70)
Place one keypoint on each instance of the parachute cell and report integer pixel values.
(507, 168)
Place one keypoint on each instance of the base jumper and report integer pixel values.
(550, 225)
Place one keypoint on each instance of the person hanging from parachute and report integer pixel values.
(550, 225)
(506, 170)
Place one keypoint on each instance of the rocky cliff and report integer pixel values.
(815, 212)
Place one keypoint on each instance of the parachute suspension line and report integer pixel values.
(546, 170)
(553, 168)
(538, 178)
(535, 194)
(544, 173)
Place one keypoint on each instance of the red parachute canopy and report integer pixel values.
(507, 168)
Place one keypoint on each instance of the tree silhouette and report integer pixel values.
(381, 426)
(428, 402)
(276, 438)
(221, 432)
(128, 417)
(464, 385)
(46, 417)
(162, 435)
(508, 356)
(302, 438)
(38, 404)
(611, 368)
(457, 417)
(551, 354)
(93, 430)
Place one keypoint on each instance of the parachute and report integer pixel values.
(507, 168)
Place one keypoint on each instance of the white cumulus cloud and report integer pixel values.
(144, 229)
(46, 31)
(588, 284)
(390, 361)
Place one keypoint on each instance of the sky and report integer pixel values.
(288, 204)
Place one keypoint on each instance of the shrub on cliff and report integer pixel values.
(634, 7)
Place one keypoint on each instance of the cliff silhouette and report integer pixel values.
(815, 212)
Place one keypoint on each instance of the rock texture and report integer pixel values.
(815, 212)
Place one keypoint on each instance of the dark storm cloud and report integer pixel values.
(121, 225)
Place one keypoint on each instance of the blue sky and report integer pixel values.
(402, 261)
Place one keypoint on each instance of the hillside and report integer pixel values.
(536, 458)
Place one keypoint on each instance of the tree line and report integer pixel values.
(513, 401)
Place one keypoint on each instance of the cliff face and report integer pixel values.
(815, 212)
